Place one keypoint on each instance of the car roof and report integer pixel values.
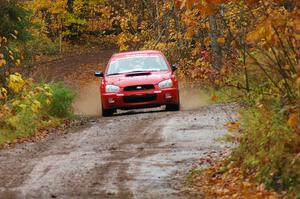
(136, 53)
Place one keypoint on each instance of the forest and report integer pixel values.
(239, 51)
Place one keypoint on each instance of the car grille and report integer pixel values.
(139, 87)
(139, 98)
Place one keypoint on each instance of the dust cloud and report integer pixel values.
(88, 101)
(193, 98)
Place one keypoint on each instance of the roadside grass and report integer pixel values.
(8, 136)
(269, 149)
(190, 178)
(227, 138)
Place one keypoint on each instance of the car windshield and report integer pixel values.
(137, 64)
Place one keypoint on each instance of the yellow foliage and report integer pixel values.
(207, 41)
(18, 62)
(3, 94)
(4, 111)
(2, 62)
(29, 82)
(221, 40)
(48, 94)
(15, 82)
(11, 57)
(48, 101)
(196, 52)
(39, 89)
(36, 106)
(13, 36)
(198, 63)
(298, 81)
(14, 120)
(23, 106)
(190, 33)
(16, 102)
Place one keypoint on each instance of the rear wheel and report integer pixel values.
(107, 112)
(173, 107)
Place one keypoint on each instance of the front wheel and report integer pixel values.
(173, 107)
(107, 112)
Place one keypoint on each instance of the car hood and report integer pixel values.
(124, 80)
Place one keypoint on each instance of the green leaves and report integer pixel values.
(14, 21)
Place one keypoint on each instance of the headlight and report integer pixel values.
(112, 89)
(166, 84)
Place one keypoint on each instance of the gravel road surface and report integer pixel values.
(141, 154)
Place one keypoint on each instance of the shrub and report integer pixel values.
(40, 45)
(26, 107)
(269, 148)
(62, 100)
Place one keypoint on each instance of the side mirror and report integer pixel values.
(99, 74)
(174, 67)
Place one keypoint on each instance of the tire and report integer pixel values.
(107, 112)
(172, 107)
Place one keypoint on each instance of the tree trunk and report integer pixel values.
(215, 47)
(141, 15)
(165, 23)
(70, 6)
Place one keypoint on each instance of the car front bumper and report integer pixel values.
(140, 99)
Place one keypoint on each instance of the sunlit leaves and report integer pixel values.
(36, 106)
(18, 62)
(298, 82)
(15, 82)
(3, 94)
(28, 110)
(2, 62)
(221, 40)
(13, 36)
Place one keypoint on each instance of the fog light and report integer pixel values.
(111, 100)
(168, 96)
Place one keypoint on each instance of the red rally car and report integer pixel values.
(140, 79)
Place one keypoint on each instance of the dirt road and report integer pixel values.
(136, 154)
(141, 155)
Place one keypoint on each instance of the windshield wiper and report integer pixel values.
(111, 74)
(142, 71)
(136, 71)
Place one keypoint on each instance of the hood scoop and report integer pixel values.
(137, 74)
